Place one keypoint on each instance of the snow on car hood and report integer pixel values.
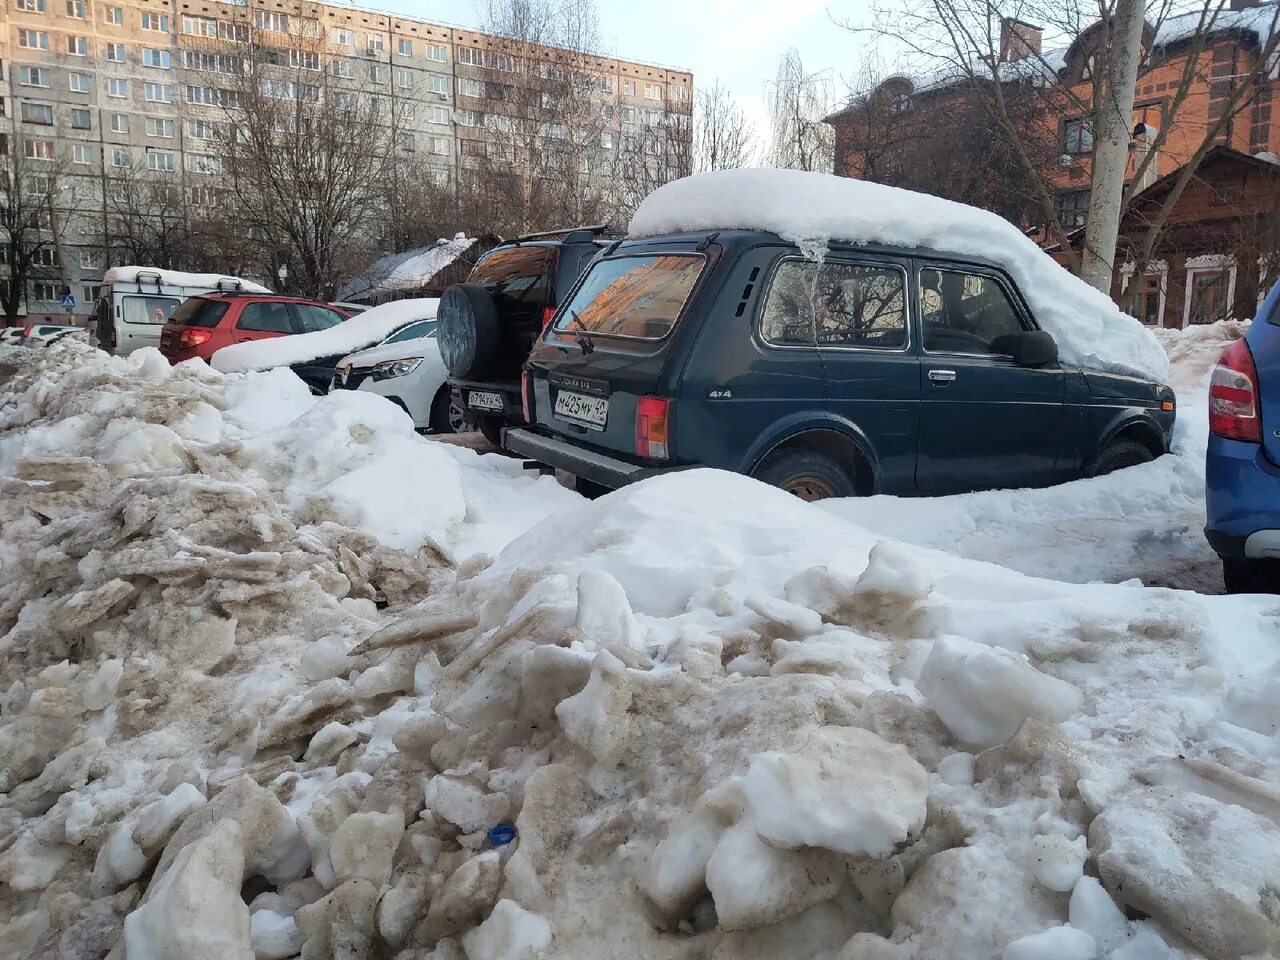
(423, 346)
(814, 209)
(357, 333)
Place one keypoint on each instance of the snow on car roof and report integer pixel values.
(813, 209)
(178, 278)
(362, 330)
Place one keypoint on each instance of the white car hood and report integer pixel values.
(417, 347)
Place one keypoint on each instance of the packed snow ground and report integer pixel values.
(263, 697)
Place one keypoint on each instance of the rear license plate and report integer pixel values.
(483, 400)
(589, 411)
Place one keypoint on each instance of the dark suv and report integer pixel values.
(875, 370)
(488, 324)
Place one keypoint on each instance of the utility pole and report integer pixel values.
(1113, 120)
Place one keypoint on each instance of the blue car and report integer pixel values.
(1242, 470)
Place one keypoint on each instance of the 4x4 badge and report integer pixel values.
(719, 394)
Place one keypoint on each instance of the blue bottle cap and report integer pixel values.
(502, 834)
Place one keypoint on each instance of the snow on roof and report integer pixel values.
(1260, 21)
(812, 209)
(178, 278)
(411, 270)
(362, 330)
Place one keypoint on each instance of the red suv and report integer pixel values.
(206, 323)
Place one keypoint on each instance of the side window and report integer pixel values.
(836, 304)
(266, 317)
(965, 312)
(316, 318)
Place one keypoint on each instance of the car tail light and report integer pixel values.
(26, 331)
(193, 338)
(652, 427)
(547, 314)
(526, 401)
(1233, 396)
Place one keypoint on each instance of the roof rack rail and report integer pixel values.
(230, 285)
(593, 230)
(148, 276)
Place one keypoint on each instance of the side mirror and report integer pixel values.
(1034, 348)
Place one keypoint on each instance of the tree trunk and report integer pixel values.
(1112, 121)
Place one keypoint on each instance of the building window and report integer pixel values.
(117, 87)
(203, 163)
(91, 294)
(653, 91)
(119, 123)
(120, 157)
(204, 196)
(342, 68)
(33, 39)
(1077, 136)
(155, 21)
(1208, 300)
(275, 22)
(437, 115)
(81, 119)
(33, 76)
(377, 73)
(41, 113)
(1150, 294)
(376, 43)
(1073, 207)
(38, 149)
(471, 148)
(407, 144)
(78, 46)
(606, 139)
(159, 127)
(115, 52)
(901, 103)
(437, 53)
(606, 84)
(680, 93)
(80, 153)
(159, 92)
(238, 32)
(78, 82)
(437, 83)
(405, 48)
(113, 16)
(304, 59)
(29, 6)
(345, 38)
(468, 118)
(470, 88)
(629, 88)
(628, 114)
(201, 129)
(160, 160)
(156, 58)
(404, 78)
(200, 26)
(45, 292)
(440, 146)
(469, 55)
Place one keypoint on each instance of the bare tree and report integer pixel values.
(148, 221)
(723, 137)
(798, 103)
(35, 208)
(654, 154)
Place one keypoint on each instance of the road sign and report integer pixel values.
(68, 302)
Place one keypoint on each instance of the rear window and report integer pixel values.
(636, 297)
(148, 309)
(199, 312)
(517, 277)
(412, 331)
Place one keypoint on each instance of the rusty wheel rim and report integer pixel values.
(809, 489)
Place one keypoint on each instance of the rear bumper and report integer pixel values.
(512, 409)
(587, 464)
(1242, 500)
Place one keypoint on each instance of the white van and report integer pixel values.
(136, 302)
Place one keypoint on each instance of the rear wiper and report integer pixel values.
(583, 336)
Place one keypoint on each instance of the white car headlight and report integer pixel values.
(396, 368)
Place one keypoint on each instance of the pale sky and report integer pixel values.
(737, 41)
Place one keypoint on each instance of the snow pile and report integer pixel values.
(815, 209)
(722, 722)
(178, 278)
(365, 329)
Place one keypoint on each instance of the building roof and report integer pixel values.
(405, 272)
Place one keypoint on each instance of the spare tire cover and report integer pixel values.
(467, 330)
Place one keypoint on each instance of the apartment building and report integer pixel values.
(108, 88)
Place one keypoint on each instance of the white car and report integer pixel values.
(406, 369)
(43, 334)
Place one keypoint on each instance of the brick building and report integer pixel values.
(109, 86)
(1055, 88)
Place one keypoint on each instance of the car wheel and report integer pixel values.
(1118, 455)
(1251, 576)
(492, 430)
(807, 474)
(446, 412)
(467, 330)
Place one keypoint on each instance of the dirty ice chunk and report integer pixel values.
(844, 789)
(274, 936)
(892, 585)
(596, 718)
(100, 692)
(1056, 943)
(1058, 862)
(364, 845)
(754, 884)
(604, 613)
(464, 803)
(510, 933)
(1093, 911)
(983, 693)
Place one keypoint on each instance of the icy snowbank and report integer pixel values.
(814, 209)
(179, 278)
(235, 721)
(363, 330)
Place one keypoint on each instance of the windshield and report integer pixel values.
(148, 309)
(637, 297)
(412, 331)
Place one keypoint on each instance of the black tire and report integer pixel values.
(806, 473)
(467, 331)
(1251, 576)
(446, 412)
(1118, 455)
(491, 428)
(590, 489)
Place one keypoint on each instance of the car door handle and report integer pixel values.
(942, 376)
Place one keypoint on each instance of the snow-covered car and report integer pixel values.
(406, 369)
(11, 335)
(43, 334)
